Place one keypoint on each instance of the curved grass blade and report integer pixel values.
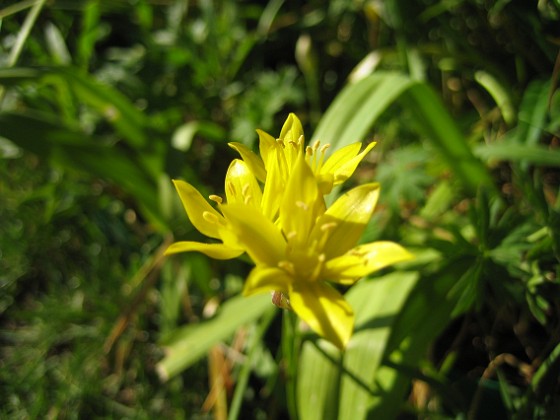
(359, 105)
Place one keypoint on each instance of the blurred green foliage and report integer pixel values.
(103, 103)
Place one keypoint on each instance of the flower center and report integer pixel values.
(305, 259)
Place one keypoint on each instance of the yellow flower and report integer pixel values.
(330, 172)
(300, 247)
(309, 246)
(240, 187)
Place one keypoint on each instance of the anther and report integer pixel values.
(287, 266)
(316, 145)
(231, 188)
(245, 190)
(325, 227)
(210, 217)
(302, 205)
(216, 198)
(309, 151)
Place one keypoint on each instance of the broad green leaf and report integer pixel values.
(189, 344)
(351, 381)
(376, 303)
(424, 315)
(359, 105)
(318, 380)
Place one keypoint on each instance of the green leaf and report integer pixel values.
(318, 380)
(189, 344)
(376, 302)
(70, 147)
(506, 150)
(424, 315)
(532, 114)
(129, 122)
(359, 105)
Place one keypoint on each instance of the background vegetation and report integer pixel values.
(103, 103)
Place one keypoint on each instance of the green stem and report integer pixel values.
(290, 351)
(243, 378)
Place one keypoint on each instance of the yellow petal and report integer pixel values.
(324, 309)
(325, 182)
(340, 157)
(217, 251)
(349, 215)
(253, 161)
(276, 178)
(241, 185)
(266, 279)
(292, 139)
(267, 144)
(201, 214)
(344, 161)
(363, 260)
(292, 129)
(260, 238)
(302, 202)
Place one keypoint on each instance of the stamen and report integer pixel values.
(231, 188)
(308, 151)
(245, 190)
(357, 252)
(291, 235)
(316, 145)
(216, 198)
(302, 205)
(247, 198)
(325, 227)
(318, 267)
(287, 266)
(323, 151)
(280, 142)
(300, 140)
(210, 217)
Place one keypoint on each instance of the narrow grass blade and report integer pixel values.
(532, 154)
